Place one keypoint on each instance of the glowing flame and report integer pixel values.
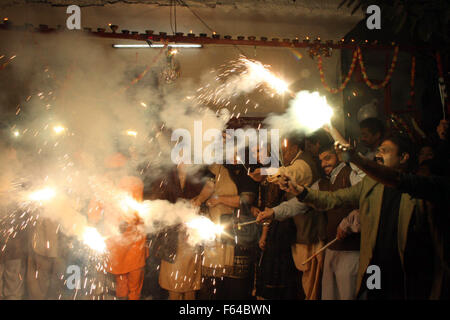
(58, 129)
(311, 110)
(42, 195)
(132, 133)
(128, 203)
(201, 228)
(16, 133)
(259, 71)
(93, 239)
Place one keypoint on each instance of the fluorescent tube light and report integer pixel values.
(124, 46)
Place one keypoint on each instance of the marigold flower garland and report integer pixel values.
(357, 55)
(347, 78)
(388, 75)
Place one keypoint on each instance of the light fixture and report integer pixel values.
(151, 45)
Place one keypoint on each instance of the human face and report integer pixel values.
(328, 161)
(387, 155)
(426, 153)
(368, 139)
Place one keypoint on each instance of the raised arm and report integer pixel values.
(431, 188)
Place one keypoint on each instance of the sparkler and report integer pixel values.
(239, 159)
(201, 228)
(311, 110)
(42, 195)
(128, 203)
(236, 78)
(93, 239)
(132, 133)
(260, 72)
(265, 223)
(59, 129)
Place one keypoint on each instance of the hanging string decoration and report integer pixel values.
(146, 70)
(412, 82)
(347, 78)
(172, 70)
(388, 75)
(400, 126)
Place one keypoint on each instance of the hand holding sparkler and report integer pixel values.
(265, 216)
(345, 152)
(256, 175)
(286, 184)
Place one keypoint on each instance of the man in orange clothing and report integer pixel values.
(127, 250)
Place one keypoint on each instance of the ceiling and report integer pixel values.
(322, 5)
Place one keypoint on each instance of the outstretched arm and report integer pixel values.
(431, 188)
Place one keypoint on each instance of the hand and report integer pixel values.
(341, 234)
(442, 129)
(291, 187)
(196, 202)
(262, 243)
(265, 215)
(256, 175)
(255, 211)
(344, 151)
(213, 201)
(282, 182)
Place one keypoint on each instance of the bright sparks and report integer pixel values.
(258, 71)
(132, 133)
(311, 110)
(59, 129)
(93, 239)
(42, 195)
(128, 204)
(201, 228)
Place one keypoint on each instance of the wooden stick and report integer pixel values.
(246, 223)
(320, 250)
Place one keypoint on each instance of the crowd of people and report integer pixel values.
(381, 207)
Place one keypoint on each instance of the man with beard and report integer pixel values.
(301, 166)
(341, 258)
(395, 234)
